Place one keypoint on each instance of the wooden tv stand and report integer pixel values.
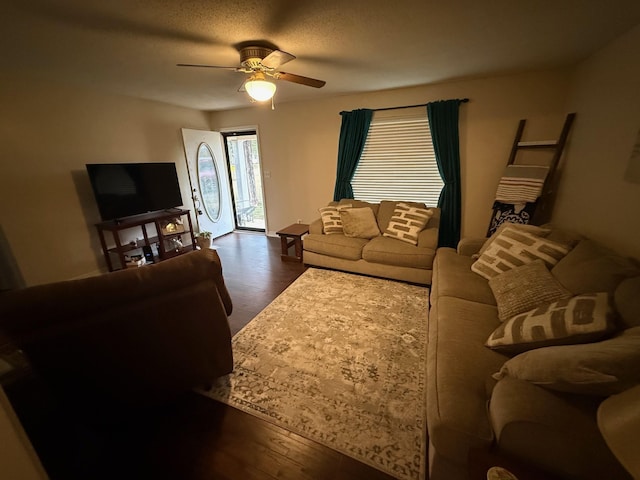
(163, 238)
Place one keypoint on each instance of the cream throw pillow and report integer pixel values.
(359, 223)
(331, 220)
(407, 222)
(580, 319)
(513, 248)
(524, 288)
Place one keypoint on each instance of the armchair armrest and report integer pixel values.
(470, 246)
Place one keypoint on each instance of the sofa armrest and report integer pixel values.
(216, 270)
(316, 227)
(470, 246)
(428, 238)
(556, 432)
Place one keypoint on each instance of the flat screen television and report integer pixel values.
(126, 189)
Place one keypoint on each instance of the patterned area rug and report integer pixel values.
(339, 359)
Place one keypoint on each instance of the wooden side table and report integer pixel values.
(292, 236)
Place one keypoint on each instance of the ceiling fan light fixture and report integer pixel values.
(259, 88)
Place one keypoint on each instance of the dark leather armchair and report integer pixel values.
(132, 338)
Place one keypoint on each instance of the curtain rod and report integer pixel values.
(464, 100)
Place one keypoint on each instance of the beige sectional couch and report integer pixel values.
(379, 256)
(549, 422)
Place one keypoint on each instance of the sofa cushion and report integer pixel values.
(524, 288)
(513, 248)
(580, 319)
(407, 222)
(591, 267)
(331, 220)
(453, 278)
(561, 235)
(359, 223)
(358, 204)
(601, 368)
(627, 301)
(458, 365)
(390, 251)
(555, 431)
(335, 245)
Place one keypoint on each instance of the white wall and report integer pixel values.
(48, 133)
(299, 141)
(593, 196)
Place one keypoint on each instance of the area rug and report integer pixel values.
(339, 359)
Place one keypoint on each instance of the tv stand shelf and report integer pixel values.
(163, 238)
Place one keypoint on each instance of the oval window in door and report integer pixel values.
(209, 182)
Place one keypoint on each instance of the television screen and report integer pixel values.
(125, 189)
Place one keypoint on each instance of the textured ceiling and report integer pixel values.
(131, 47)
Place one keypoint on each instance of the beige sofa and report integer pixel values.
(379, 256)
(466, 409)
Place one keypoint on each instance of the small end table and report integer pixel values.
(292, 236)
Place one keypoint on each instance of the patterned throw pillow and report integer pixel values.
(532, 229)
(524, 288)
(407, 222)
(580, 319)
(359, 223)
(331, 221)
(513, 248)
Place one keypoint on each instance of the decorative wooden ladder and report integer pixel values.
(544, 204)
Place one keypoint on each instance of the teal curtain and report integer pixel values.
(443, 122)
(353, 134)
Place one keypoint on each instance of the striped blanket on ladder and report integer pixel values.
(521, 183)
(518, 191)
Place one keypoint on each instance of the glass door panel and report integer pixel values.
(246, 180)
(208, 179)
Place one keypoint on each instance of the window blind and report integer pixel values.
(398, 161)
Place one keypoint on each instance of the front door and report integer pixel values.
(209, 179)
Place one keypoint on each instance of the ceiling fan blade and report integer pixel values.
(206, 66)
(291, 77)
(277, 58)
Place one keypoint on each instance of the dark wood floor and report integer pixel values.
(196, 438)
(254, 273)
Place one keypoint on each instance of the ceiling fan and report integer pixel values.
(261, 64)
